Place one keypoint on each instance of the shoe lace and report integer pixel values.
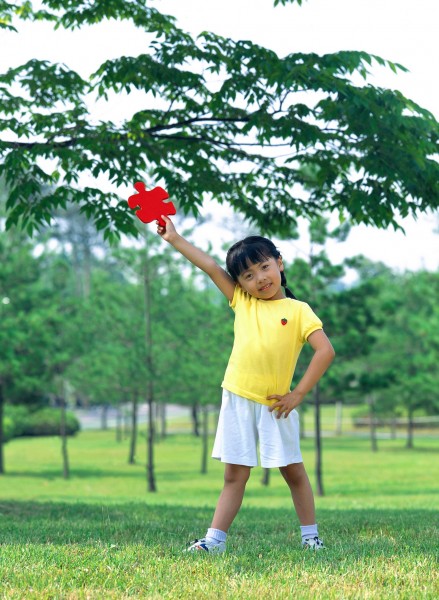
(196, 541)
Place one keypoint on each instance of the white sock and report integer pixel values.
(309, 531)
(214, 536)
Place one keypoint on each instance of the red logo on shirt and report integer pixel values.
(284, 321)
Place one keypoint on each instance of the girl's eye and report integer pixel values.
(265, 267)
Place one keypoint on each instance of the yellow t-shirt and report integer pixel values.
(269, 335)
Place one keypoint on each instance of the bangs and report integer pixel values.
(248, 252)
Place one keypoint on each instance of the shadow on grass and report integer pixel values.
(85, 473)
(389, 446)
(166, 527)
(415, 450)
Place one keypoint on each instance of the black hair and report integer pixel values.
(251, 250)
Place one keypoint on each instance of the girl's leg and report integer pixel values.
(301, 492)
(229, 502)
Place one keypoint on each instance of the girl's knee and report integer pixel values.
(294, 473)
(236, 474)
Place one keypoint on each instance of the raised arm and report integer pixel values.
(198, 258)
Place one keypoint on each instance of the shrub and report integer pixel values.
(20, 421)
(15, 420)
(8, 429)
(47, 421)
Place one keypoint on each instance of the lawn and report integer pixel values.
(101, 535)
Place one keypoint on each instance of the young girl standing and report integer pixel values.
(271, 327)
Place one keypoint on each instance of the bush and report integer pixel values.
(47, 421)
(14, 420)
(8, 429)
(20, 421)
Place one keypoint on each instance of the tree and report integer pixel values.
(245, 141)
(407, 347)
(25, 303)
(112, 365)
(358, 319)
(77, 238)
(60, 335)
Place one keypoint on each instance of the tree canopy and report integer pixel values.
(221, 118)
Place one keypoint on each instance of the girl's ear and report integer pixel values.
(280, 264)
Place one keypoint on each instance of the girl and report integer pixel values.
(271, 327)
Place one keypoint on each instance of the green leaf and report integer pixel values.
(245, 137)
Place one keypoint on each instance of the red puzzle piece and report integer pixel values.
(151, 204)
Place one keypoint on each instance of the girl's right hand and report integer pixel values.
(168, 231)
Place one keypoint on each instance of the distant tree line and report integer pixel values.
(73, 327)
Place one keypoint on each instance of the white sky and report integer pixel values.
(403, 31)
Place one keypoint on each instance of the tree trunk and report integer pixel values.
(150, 475)
(2, 403)
(63, 434)
(150, 447)
(77, 269)
(302, 423)
(163, 428)
(372, 420)
(157, 438)
(87, 265)
(126, 421)
(195, 419)
(338, 417)
(160, 421)
(393, 429)
(409, 443)
(104, 417)
(318, 442)
(118, 424)
(205, 438)
(216, 416)
(265, 477)
(133, 439)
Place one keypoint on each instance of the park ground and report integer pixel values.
(101, 534)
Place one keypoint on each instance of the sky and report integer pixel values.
(402, 31)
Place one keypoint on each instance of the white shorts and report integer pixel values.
(243, 423)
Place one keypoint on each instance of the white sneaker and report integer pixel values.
(206, 546)
(314, 543)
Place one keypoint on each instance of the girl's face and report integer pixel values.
(263, 280)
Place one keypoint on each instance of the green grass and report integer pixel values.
(101, 535)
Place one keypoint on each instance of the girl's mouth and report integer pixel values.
(263, 289)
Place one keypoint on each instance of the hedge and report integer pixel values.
(20, 421)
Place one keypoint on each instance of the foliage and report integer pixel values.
(9, 428)
(198, 336)
(247, 141)
(24, 298)
(14, 420)
(358, 322)
(408, 345)
(22, 421)
(347, 318)
(47, 422)
(112, 363)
